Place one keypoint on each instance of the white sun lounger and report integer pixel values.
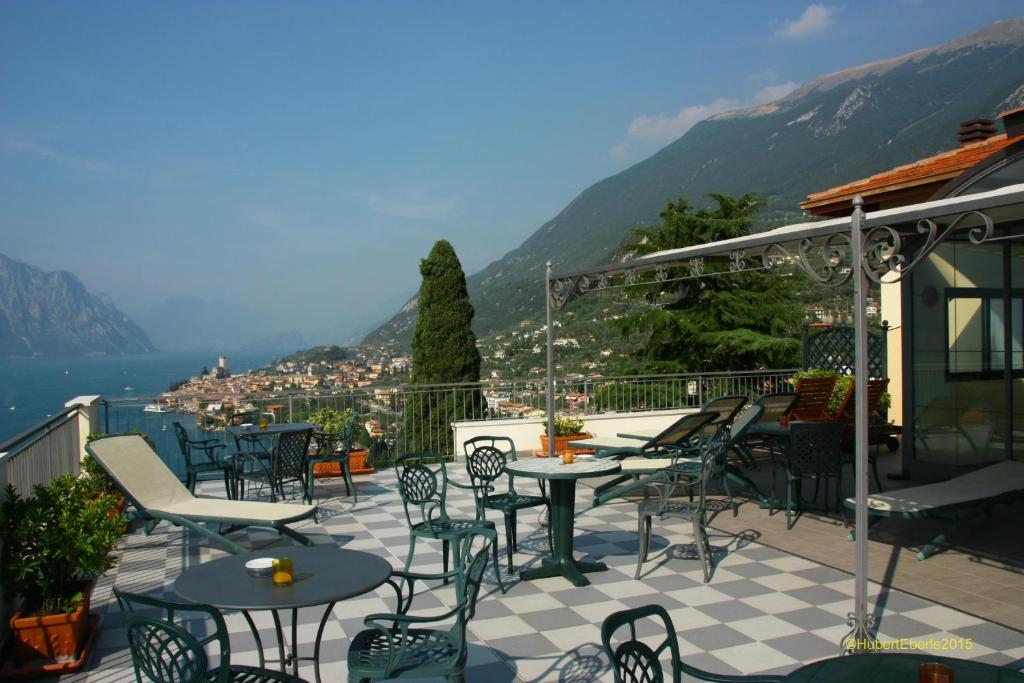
(956, 500)
(157, 494)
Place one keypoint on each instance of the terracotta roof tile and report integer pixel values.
(938, 168)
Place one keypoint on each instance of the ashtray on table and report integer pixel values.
(260, 566)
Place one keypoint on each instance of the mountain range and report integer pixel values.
(834, 129)
(53, 314)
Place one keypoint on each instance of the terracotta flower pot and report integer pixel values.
(562, 443)
(54, 636)
(357, 462)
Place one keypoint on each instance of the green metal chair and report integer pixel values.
(485, 464)
(168, 649)
(422, 494)
(635, 661)
(331, 447)
(213, 461)
(398, 646)
(693, 478)
(814, 452)
(287, 462)
(666, 505)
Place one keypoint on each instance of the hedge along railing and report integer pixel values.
(40, 454)
(419, 417)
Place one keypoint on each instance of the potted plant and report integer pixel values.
(55, 544)
(566, 429)
(346, 423)
(97, 477)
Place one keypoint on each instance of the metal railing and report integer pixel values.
(419, 417)
(42, 453)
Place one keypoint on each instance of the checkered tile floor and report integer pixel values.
(763, 612)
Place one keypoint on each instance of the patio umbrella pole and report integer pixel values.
(551, 363)
(861, 622)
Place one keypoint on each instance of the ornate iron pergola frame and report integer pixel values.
(879, 246)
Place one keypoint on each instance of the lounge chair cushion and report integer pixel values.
(990, 482)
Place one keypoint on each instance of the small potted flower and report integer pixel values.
(566, 429)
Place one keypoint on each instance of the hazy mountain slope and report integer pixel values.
(52, 313)
(837, 128)
(194, 324)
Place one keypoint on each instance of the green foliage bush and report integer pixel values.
(741, 321)
(566, 426)
(55, 541)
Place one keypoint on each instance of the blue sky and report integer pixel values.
(306, 155)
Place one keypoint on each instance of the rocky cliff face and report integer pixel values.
(836, 128)
(52, 313)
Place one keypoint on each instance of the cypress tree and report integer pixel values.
(443, 352)
(443, 344)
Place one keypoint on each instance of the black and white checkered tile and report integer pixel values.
(763, 611)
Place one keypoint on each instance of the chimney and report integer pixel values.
(1013, 122)
(976, 130)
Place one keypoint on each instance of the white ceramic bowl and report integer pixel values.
(246, 425)
(261, 566)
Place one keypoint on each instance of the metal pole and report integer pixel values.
(861, 622)
(551, 362)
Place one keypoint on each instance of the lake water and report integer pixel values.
(31, 389)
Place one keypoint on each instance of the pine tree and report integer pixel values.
(443, 352)
(736, 321)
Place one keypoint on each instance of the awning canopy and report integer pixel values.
(820, 248)
(864, 246)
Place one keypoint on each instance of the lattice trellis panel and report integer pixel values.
(833, 349)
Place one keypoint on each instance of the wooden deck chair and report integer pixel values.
(845, 411)
(815, 393)
(158, 495)
(845, 415)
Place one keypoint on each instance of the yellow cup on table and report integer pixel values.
(264, 421)
(283, 571)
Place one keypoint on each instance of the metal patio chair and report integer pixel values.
(424, 493)
(172, 647)
(398, 646)
(286, 462)
(212, 461)
(634, 661)
(693, 478)
(485, 464)
(814, 452)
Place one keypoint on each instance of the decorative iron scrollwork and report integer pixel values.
(884, 245)
(562, 289)
(861, 637)
(737, 260)
(829, 261)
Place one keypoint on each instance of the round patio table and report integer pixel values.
(563, 499)
(898, 668)
(323, 575)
